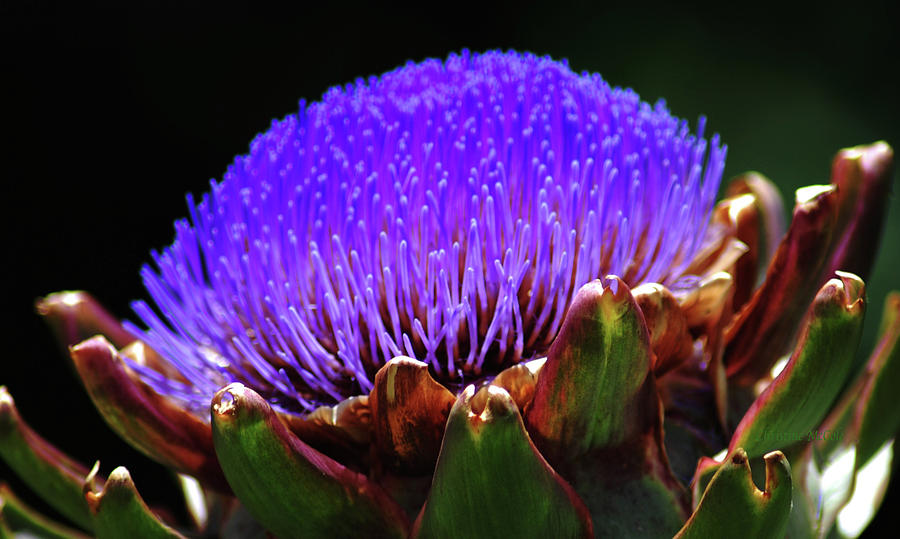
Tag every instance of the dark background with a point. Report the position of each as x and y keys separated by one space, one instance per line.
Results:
x=110 y=116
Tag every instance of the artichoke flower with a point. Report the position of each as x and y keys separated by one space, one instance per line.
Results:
x=489 y=297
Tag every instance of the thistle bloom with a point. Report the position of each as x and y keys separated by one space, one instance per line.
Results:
x=446 y=211
x=464 y=298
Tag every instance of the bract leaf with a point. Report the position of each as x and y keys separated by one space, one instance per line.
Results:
x=764 y=328
x=597 y=418
x=409 y=411
x=289 y=487
x=20 y=517
x=160 y=429
x=732 y=506
x=795 y=403
x=54 y=476
x=119 y=511
x=490 y=481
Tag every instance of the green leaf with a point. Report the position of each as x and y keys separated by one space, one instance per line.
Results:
x=409 y=410
x=732 y=506
x=856 y=428
x=863 y=176
x=706 y=470
x=769 y=205
x=596 y=368
x=764 y=328
x=55 y=477
x=490 y=481
x=119 y=511
x=670 y=339
x=152 y=424
x=794 y=404
x=878 y=413
x=596 y=416
x=5 y=531
x=289 y=487
x=75 y=316
x=20 y=517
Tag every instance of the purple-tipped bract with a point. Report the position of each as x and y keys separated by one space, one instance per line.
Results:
x=447 y=211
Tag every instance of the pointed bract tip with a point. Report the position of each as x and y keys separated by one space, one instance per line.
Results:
x=60 y=301
x=739 y=457
x=236 y=404
x=876 y=158
x=487 y=404
x=590 y=291
x=610 y=294
x=405 y=360
x=893 y=299
x=468 y=402
x=520 y=380
x=75 y=315
x=92 y=349
x=611 y=282
x=811 y=194
x=854 y=288
x=846 y=290
x=7 y=404
x=615 y=288
x=119 y=476
x=224 y=402
x=777 y=467
x=497 y=403
x=90 y=486
x=397 y=365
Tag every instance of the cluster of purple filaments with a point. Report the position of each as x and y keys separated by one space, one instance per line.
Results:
x=446 y=211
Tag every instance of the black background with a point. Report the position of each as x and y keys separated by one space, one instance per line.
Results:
x=111 y=115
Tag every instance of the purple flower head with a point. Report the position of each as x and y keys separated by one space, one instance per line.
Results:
x=447 y=211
